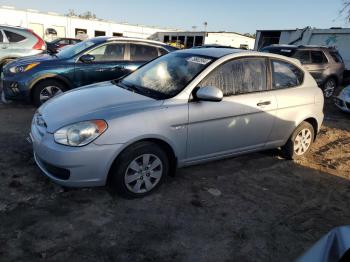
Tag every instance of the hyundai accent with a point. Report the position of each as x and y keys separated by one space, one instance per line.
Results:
x=184 y=108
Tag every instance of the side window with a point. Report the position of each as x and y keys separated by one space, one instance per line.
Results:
x=162 y=51
x=285 y=75
x=303 y=56
x=142 y=52
x=1 y=37
x=109 y=52
x=239 y=76
x=13 y=37
x=317 y=57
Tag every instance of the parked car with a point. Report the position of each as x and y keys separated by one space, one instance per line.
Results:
x=55 y=45
x=37 y=79
x=342 y=101
x=324 y=63
x=184 y=108
x=18 y=42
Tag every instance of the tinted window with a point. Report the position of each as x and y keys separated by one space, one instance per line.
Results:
x=286 y=75
x=303 y=56
x=142 y=52
x=1 y=37
x=13 y=37
x=162 y=51
x=239 y=76
x=109 y=52
x=336 y=56
x=317 y=57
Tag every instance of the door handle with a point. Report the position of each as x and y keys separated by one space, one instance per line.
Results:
x=265 y=103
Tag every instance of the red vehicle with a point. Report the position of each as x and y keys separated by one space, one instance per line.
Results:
x=55 y=45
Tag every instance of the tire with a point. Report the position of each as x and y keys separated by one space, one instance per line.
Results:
x=291 y=150
x=329 y=87
x=47 y=89
x=129 y=183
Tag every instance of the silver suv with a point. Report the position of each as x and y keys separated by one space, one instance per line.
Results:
x=17 y=42
x=184 y=108
x=325 y=64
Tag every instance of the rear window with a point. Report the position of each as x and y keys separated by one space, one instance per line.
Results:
x=13 y=37
x=286 y=75
x=336 y=56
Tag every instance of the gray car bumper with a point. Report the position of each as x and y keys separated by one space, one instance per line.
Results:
x=74 y=166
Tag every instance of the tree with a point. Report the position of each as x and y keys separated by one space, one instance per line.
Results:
x=86 y=15
x=346 y=10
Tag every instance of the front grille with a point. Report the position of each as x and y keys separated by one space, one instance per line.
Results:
x=58 y=172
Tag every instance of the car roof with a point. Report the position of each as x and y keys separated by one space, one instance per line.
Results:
x=300 y=47
x=212 y=51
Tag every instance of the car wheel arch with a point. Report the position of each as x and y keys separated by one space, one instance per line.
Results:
x=39 y=80
x=311 y=120
x=169 y=150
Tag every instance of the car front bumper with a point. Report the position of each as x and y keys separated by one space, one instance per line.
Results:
x=85 y=166
x=15 y=89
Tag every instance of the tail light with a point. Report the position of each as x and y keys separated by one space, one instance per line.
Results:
x=40 y=45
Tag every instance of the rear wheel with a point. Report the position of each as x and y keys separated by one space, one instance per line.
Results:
x=46 y=90
x=329 y=87
x=139 y=170
x=300 y=142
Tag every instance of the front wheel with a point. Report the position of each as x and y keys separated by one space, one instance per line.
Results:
x=329 y=87
x=139 y=170
x=46 y=90
x=299 y=144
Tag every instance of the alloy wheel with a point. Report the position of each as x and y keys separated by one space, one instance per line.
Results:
x=302 y=141
x=143 y=173
x=329 y=88
x=49 y=92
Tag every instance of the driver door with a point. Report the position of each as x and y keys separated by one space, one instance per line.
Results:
x=109 y=64
x=242 y=121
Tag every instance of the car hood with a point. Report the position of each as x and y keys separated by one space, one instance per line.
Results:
x=33 y=59
x=345 y=94
x=98 y=101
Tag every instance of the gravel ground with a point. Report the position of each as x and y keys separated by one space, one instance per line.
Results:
x=257 y=207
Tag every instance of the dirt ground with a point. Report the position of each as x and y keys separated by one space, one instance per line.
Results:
x=257 y=207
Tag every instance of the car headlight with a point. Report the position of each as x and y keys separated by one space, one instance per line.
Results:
x=80 y=134
x=22 y=68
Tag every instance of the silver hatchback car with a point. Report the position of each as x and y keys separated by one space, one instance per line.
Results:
x=181 y=109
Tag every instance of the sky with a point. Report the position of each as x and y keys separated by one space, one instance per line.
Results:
x=243 y=16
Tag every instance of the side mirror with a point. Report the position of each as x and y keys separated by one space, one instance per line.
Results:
x=209 y=93
x=87 y=58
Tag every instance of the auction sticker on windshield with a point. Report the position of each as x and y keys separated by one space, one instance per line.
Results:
x=198 y=60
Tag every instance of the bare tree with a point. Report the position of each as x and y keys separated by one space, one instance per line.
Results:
x=86 y=15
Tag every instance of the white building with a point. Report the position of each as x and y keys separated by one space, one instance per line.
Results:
x=334 y=37
x=44 y=24
x=189 y=39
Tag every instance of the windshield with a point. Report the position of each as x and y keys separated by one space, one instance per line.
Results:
x=75 y=49
x=166 y=76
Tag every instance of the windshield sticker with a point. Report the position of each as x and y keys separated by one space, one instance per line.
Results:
x=198 y=60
